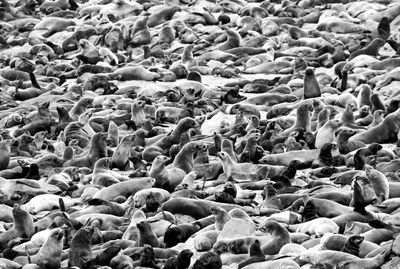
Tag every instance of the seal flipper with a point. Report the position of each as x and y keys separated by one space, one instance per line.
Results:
x=97 y=201
x=384 y=28
x=378 y=224
x=29 y=183
x=61 y=204
x=359 y=202
x=33 y=172
x=34 y=82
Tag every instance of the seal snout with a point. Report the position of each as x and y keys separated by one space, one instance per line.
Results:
x=58 y=233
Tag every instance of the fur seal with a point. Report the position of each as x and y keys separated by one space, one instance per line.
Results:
x=184 y=159
x=208 y=260
x=303 y=119
x=379 y=182
x=125 y=188
x=102 y=175
x=182 y=261
x=97 y=150
x=120 y=158
x=196 y=208
x=317 y=226
x=80 y=252
x=146 y=235
x=327 y=133
x=5 y=154
x=311 y=87
x=280 y=237
x=180 y=233
x=385 y=132
x=166 y=178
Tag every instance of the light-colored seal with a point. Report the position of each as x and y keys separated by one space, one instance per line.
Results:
x=125 y=188
x=327 y=133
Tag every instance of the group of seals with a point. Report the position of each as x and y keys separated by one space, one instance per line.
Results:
x=185 y=134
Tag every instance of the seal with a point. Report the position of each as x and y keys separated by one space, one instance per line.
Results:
x=137 y=111
x=379 y=182
x=80 y=253
x=352 y=245
x=5 y=154
x=270 y=99
x=327 y=133
x=385 y=132
x=371 y=49
x=377 y=118
x=280 y=237
x=50 y=253
x=364 y=96
x=325 y=157
x=97 y=150
x=204 y=241
x=233 y=41
x=196 y=208
x=146 y=235
x=227 y=146
x=271 y=203
x=256 y=254
x=136 y=73
x=140 y=35
x=346 y=146
x=377 y=103
x=303 y=156
x=311 y=86
x=318 y=226
x=187 y=182
x=125 y=188
x=23 y=222
x=166 y=178
x=268 y=67
x=180 y=233
x=160 y=195
x=303 y=119
x=121 y=261
x=101 y=175
x=132 y=232
x=113 y=136
x=184 y=159
x=120 y=158
x=221 y=217
x=147 y=259
x=182 y=261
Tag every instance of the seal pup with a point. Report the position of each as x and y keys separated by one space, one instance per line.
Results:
x=327 y=133
x=182 y=261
